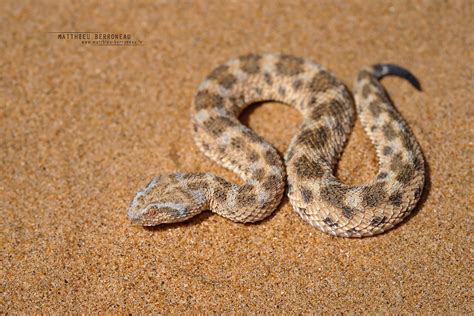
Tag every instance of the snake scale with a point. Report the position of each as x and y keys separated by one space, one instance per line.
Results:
x=328 y=112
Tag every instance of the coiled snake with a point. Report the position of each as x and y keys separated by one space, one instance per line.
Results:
x=315 y=193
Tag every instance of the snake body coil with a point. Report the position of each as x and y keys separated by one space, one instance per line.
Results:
x=316 y=194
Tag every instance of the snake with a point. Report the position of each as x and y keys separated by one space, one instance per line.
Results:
x=307 y=174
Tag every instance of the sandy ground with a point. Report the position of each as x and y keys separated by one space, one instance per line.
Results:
x=83 y=127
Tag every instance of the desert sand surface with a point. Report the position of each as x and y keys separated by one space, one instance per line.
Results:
x=83 y=128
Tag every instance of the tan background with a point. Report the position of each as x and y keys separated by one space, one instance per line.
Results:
x=83 y=128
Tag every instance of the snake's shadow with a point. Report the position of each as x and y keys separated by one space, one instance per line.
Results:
x=196 y=220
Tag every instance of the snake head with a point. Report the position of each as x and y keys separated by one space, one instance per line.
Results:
x=161 y=201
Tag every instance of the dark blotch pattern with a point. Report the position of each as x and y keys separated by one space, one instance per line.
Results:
x=307 y=168
x=322 y=82
x=392 y=114
x=321 y=110
x=297 y=84
x=218 y=73
x=364 y=75
x=389 y=132
x=282 y=91
x=205 y=100
x=395 y=199
x=290 y=65
x=396 y=163
x=221 y=74
x=246 y=196
x=252 y=156
x=307 y=195
x=272 y=158
x=237 y=143
x=268 y=78
x=258 y=174
x=406 y=174
x=334 y=194
x=373 y=195
x=375 y=108
x=330 y=222
x=387 y=150
x=217 y=125
x=339 y=130
x=271 y=182
x=228 y=81
x=347 y=212
x=220 y=192
x=334 y=109
x=314 y=138
x=378 y=220
x=250 y=63
x=365 y=91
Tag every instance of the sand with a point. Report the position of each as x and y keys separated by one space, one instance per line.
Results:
x=83 y=127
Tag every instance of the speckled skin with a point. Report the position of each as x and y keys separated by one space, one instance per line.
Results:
x=315 y=193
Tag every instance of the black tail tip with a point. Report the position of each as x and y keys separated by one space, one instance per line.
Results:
x=382 y=70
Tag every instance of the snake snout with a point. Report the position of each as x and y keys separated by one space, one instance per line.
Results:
x=138 y=207
x=159 y=202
